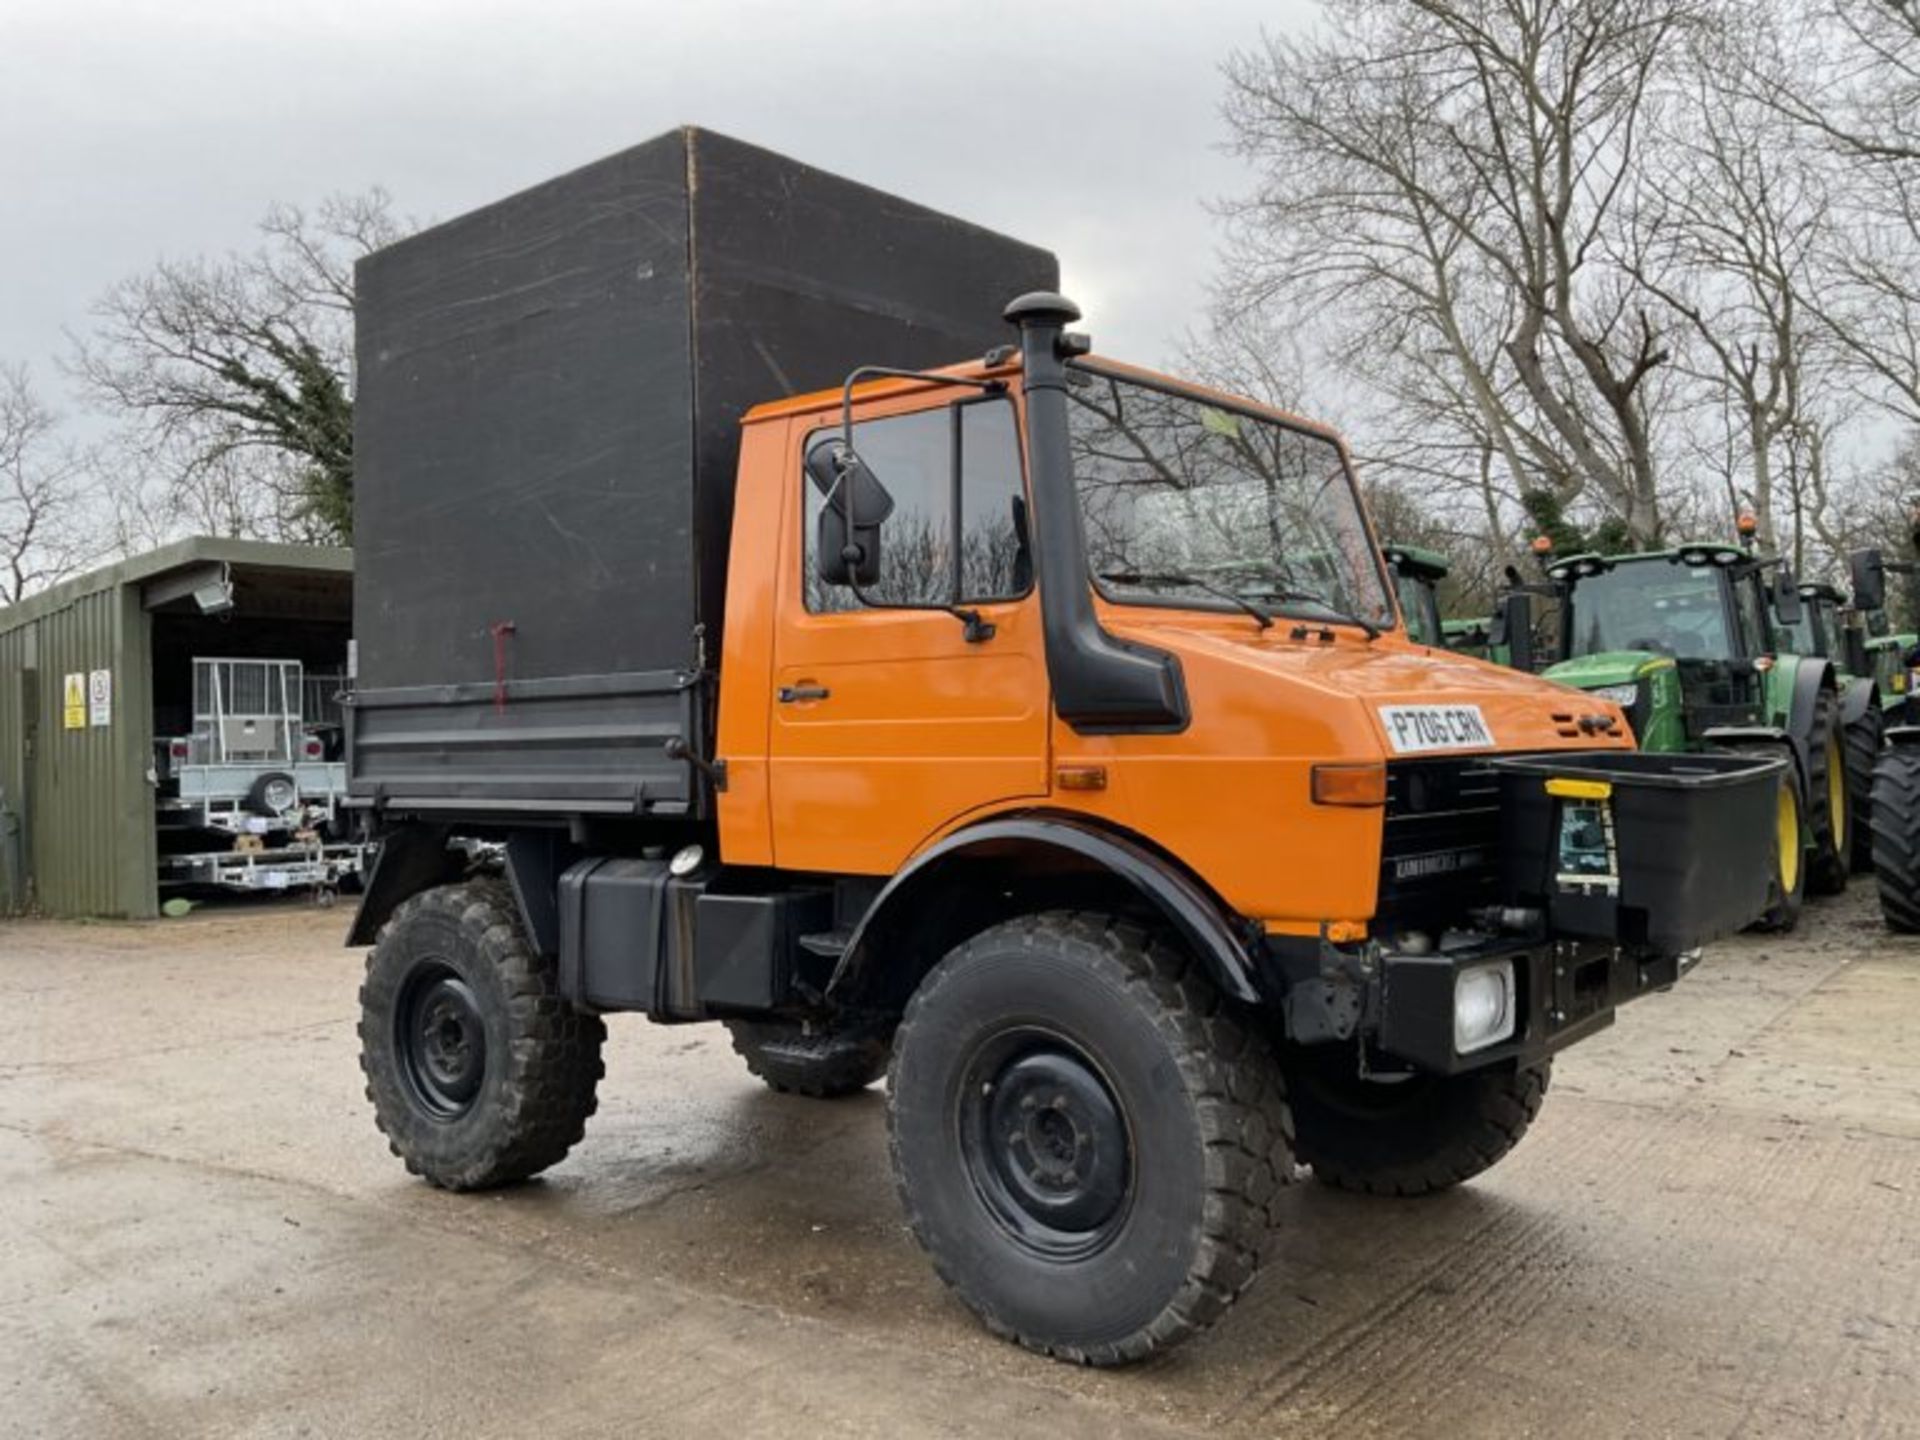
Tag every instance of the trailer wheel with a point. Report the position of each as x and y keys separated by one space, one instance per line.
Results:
x=1896 y=836
x=1409 y=1136
x=825 y=1065
x=273 y=794
x=1086 y=1140
x=480 y=1073
x=1865 y=738
x=1830 y=859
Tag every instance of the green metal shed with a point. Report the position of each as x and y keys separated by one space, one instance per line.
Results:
x=78 y=698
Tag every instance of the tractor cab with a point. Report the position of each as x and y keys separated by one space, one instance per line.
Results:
x=1821 y=628
x=1417 y=574
x=1681 y=639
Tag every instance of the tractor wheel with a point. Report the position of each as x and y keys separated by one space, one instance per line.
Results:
x=1086 y=1139
x=480 y=1073
x=1787 y=893
x=1896 y=836
x=1413 y=1135
x=1864 y=737
x=1830 y=858
x=825 y=1063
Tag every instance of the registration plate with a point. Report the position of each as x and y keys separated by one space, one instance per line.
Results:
x=1415 y=729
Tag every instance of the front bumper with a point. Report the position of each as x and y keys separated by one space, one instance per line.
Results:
x=1402 y=1006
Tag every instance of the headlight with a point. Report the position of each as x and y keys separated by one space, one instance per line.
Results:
x=1483 y=1006
x=1621 y=695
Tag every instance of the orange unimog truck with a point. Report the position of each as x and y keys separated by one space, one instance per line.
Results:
x=1035 y=731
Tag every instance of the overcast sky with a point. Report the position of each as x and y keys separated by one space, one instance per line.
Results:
x=132 y=131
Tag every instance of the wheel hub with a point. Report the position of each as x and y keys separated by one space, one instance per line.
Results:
x=1047 y=1146
x=442 y=1042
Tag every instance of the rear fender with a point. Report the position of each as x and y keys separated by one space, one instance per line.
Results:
x=1857 y=696
x=1810 y=675
x=412 y=858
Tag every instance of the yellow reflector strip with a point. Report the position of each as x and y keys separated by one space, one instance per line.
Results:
x=1568 y=789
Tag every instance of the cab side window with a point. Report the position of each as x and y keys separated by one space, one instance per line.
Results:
x=1755 y=634
x=952 y=468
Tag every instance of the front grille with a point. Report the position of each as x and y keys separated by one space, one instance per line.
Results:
x=1440 y=852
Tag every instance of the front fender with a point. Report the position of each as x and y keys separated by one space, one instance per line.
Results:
x=1222 y=941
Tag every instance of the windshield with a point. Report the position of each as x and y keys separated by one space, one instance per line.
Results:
x=1657 y=605
x=1183 y=499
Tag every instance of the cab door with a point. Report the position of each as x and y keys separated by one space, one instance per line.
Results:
x=890 y=723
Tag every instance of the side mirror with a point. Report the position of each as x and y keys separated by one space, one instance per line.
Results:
x=1868 y=571
x=847 y=542
x=1513 y=628
x=1786 y=598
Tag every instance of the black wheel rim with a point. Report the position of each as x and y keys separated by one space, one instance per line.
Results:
x=442 y=1042
x=1046 y=1143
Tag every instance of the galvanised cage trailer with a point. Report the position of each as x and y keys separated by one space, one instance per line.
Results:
x=1036 y=730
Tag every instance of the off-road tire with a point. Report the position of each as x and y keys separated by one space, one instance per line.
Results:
x=1829 y=859
x=1415 y=1136
x=826 y=1064
x=1865 y=738
x=539 y=1058
x=1783 y=906
x=1896 y=836
x=1199 y=1099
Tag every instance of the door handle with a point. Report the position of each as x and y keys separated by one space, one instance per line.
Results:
x=792 y=694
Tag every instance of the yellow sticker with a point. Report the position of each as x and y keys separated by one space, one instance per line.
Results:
x=74 y=710
x=1569 y=789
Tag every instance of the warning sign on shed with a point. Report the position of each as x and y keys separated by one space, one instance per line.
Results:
x=100 y=697
x=74 y=711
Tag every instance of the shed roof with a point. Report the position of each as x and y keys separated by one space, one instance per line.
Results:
x=180 y=555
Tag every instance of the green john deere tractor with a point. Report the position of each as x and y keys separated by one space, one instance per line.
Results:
x=1823 y=630
x=1686 y=641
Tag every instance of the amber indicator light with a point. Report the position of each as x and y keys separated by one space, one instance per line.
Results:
x=1350 y=784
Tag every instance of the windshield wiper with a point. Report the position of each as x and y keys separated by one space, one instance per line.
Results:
x=1152 y=578
x=1334 y=612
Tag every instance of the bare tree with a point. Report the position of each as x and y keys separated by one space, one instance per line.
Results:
x=246 y=361
x=1731 y=221
x=46 y=531
x=1450 y=173
x=1846 y=75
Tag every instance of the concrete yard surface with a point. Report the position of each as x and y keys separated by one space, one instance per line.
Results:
x=1714 y=1230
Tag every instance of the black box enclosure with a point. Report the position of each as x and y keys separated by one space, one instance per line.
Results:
x=1680 y=853
x=546 y=428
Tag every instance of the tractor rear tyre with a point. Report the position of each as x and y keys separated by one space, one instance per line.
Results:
x=479 y=1071
x=1896 y=836
x=1829 y=797
x=1414 y=1135
x=1865 y=738
x=1086 y=1139
x=824 y=1063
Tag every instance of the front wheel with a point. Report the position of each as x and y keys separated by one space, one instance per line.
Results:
x=1828 y=800
x=1865 y=738
x=1896 y=836
x=1085 y=1139
x=1787 y=888
x=1407 y=1135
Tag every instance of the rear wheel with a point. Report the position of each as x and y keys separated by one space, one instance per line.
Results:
x=1830 y=859
x=1086 y=1140
x=480 y=1073
x=1864 y=740
x=1412 y=1135
x=1896 y=836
